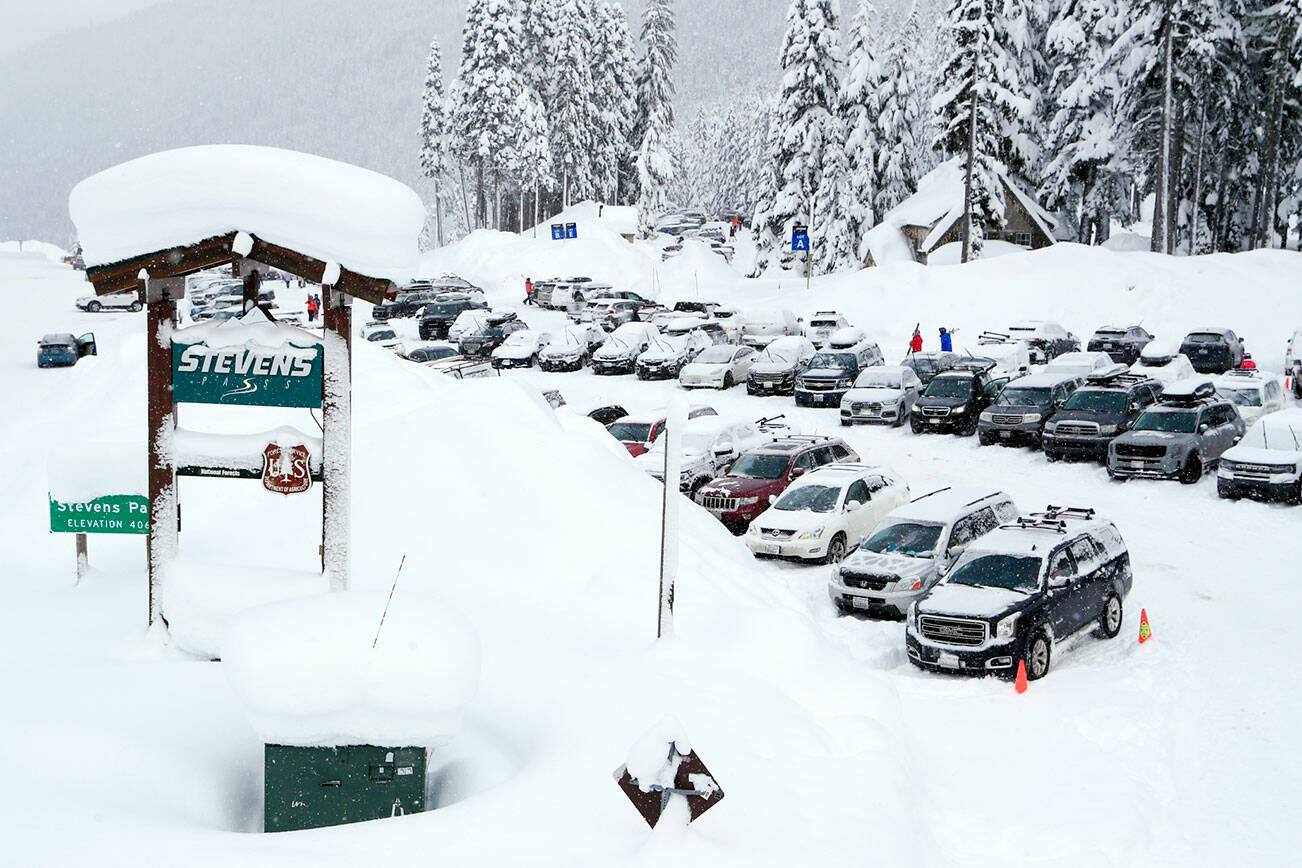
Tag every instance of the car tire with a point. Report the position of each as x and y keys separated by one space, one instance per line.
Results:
x=985 y=439
x=727 y=380
x=835 y=550
x=915 y=426
x=136 y=306
x=967 y=429
x=1039 y=654
x=899 y=420
x=1192 y=470
x=1110 y=617
x=94 y=307
x=1052 y=456
x=641 y=375
x=846 y=423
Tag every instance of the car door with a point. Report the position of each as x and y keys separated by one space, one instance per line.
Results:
x=1273 y=398
x=860 y=519
x=960 y=537
x=86 y=345
x=803 y=464
x=742 y=363
x=1059 y=599
x=884 y=496
x=1089 y=586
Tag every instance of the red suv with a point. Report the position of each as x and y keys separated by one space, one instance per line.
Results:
x=637 y=435
x=743 y=492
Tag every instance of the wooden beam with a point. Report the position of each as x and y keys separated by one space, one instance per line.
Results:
x=351 y=283
x=173 y=262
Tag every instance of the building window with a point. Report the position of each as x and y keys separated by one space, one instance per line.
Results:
x=1022 y=238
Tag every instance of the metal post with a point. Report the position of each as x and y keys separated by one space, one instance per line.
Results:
x=161 y=543
x=83 y=557
x=336 y=425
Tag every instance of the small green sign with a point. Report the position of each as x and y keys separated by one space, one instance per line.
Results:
x=113 y=513
x=283 y=376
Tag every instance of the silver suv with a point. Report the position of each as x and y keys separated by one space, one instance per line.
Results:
x=1179 y=437
x=913 y=547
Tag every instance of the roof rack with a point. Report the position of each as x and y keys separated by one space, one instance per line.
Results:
x=1053 y=518
x=993 y=338
x=1118 y=379
x=1189 y=394
x=1078 y=512
x=930 y=493
x=1245 y=373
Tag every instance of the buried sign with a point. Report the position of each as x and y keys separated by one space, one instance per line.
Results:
x=285 y=470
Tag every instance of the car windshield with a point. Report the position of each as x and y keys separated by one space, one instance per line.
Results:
x=915 y=539
x=569 y=337
x=843 y=361
x=1013 y=572
x=812 y=498
x=949 y=387
x=520 y=339
x=716 y=355
x=759 y=466
x=1096 y=401
x=1176 y=423
x=823 y=324
x=630 y=432
x=876 y=380
x=430 y=354
x=1241 y=397
x=1023 y=396
x=381 y=335
x=447 y=309
x=660 y=345
x=778 y=356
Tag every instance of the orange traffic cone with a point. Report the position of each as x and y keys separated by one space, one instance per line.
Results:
x=1145 y=632
x=1020 y=683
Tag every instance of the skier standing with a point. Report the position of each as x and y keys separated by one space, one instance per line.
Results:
x=915 y=344
x=946 y=340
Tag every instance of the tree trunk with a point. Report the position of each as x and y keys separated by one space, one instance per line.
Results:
x=1269 y=180
x=1198 y=178
x=481 y=200
x=1161 y=176
x=438 y=214
x=967 y=181
x=1174 y=185
x=465 y=202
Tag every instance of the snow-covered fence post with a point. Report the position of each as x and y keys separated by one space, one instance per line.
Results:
x=673 y=440
x=336 y=424
x=160 y=305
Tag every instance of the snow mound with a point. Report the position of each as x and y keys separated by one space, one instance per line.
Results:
x=308 y=674
x=92 y=470
x=52 y=252
x=329 y=210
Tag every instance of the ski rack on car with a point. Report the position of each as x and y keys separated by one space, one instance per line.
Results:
x=1078 y=512
x=1204 y=391
x=993 y=338
x=1114 y=377
x=1053 y=518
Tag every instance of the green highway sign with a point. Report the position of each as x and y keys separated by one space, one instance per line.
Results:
x=113 y=513
x=284 y=376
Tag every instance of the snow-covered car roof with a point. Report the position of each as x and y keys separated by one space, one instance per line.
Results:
x=1036 y=540
x=1082 y=358
x=843 y=474
x=941 y=506
x=1045 y=379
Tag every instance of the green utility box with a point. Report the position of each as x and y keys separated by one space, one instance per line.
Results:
x=308 y=787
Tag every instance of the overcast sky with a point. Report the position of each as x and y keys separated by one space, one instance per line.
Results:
x=26 y=22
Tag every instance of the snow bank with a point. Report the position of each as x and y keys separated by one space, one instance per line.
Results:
x=240 y=451
x=329 y=210
x=52 y=252
x=254 y=328
x=648 y=759
x=97 y=469
x=308 y=675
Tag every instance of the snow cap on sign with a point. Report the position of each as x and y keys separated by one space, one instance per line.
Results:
x=308 y=675
x=332 y=211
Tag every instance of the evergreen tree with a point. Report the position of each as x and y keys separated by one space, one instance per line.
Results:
x=979 y=111
x=806 y=136
x=572 y=104
x=898 y=120
x=655 y=110
x=433 y=137
x=613 y=78
x=1276 y=35
x=861 y=113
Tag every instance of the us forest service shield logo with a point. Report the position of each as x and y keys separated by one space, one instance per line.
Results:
x=285 y=470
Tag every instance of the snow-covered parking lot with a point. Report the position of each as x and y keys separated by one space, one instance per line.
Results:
x=826 y=740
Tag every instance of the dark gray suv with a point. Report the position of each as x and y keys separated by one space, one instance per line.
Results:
x=1107 y=405
x=1024 y=406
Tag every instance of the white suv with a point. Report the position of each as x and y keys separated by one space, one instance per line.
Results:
x=826 y=513
x=1267 y=462
x=760 y=327
x=822 y=325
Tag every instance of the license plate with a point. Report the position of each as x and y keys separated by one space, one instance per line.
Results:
x=864 y=602
x=1203 y=352
x=933 y=421
x=767 y=385
x=949 y=661
x=1005 y=434
x=772 y=549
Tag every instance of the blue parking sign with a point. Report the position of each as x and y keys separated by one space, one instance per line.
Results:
x=571 y=230
x=799 y=237
x=558 y=232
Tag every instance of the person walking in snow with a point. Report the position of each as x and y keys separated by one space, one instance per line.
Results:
x=528 y=291
x=311 y=308
x=946 y=340
x=915 y=344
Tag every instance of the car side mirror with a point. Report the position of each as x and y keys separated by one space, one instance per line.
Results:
x=1203 y=428
x=773 y=498
x=1056 y=582
x=798 y=471
x=853 y=506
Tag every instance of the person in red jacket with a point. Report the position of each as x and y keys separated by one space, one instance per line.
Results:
x=915 y=345
x=528 y=291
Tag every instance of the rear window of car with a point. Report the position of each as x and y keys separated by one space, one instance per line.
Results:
x=1205 y=338
x=1109 y=333
x=630 y=432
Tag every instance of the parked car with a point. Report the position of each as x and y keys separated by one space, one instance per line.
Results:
x=730 y=319
x=928 y=365
x=384 y=335
x=618 y=355
x=1179 y=437
x=881 y=394
x=468 y=322
x=778 y=365
x=572 y=348
x=573 y=296
x=436 y=318
x=459 y=367
x=638 y=433
x=1025 y=405
x=760 y=327
x=1213 y=350
x=1293 y=362
x=1002 y=358
x=826 y=513
x=403 y=305
x=719 y=367
x=845 y=338
x=62 y=349
x=432 y=352
x=129 y=300
x=1080 y=364
x=704 y=308
x=822 y=324
x=1019 y=591
x=746 y=487
x=1045 y=340
x=521 y=349
x=1267 y=462
x=709 y=443
x=1107 y=405
x=709 y=328
x=1122 y=343
x=611 y=315
x=913 y=547
x=832 y=373
x=1163 y=361
x=1251 y=393
x=954 y=401
x=495 y=329
x=667 y=355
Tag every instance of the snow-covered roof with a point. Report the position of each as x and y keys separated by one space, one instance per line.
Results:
x=332 y=211
x=620 y=218
x=941 y=506
x=254 y=327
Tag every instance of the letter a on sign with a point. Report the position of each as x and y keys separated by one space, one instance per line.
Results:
x=286 y=471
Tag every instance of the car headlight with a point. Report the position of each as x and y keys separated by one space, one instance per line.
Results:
x=911 y=617
x=844 y=384
x=916 y=409
x=1004 y=629
x=1050 y=427
x=959 y=410
x=747 y=501
x=1107 y=429
x=1032 y=417
x=987 y=416
x=816 y=533
x=753 y=530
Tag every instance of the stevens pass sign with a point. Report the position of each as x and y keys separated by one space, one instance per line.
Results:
x=284 y=376
x=114 y=513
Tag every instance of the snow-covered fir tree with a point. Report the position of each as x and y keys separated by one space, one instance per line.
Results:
x=614 y=98
x=861 y=113
x=979 y=111
x=655 y=110
x=898 y=117
x=806 y=139
x=571 y=104
x=433 y=137
x=1276 y=38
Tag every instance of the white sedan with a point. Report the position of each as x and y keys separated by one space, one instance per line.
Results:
x=826 y=513
x=719 y=367
x=521 y=349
